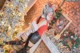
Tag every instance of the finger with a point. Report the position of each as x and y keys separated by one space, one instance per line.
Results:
x=24 y=37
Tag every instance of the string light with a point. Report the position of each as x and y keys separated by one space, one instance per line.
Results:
x=11 y=22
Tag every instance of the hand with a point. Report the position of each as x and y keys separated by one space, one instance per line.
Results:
x=23 y=37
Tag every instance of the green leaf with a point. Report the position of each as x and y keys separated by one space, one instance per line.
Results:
x=58 y=14
x=6 y=51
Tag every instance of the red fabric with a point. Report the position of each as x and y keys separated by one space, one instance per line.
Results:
x=43 y=28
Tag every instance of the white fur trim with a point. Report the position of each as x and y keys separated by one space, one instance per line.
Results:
x=34 y=26
x=43 y=16
x=48 y=18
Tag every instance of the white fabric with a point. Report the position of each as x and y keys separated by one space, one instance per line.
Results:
x=48 y=18
x=43 y=16
x=28 y=32
x=34 y=26
x=32 y=29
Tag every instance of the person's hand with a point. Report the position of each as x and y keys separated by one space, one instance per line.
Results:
x=23 y=37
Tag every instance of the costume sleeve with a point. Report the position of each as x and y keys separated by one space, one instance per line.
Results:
x=34 y=26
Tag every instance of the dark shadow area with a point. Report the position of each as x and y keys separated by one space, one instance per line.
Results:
x=2 y=3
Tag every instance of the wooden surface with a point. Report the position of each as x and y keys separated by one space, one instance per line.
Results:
x=42 y=48
x=30 y=4
x=2 y=3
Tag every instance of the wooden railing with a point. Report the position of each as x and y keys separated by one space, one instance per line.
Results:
x=2 y=3
x=72 y=0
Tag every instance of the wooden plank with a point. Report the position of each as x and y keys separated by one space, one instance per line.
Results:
x=30 y=4
x=51 y=46
x=66 y=16
x=34 y=47
x=73 y=0
x=2 y=3
x=70 y=21
x=42 y=48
